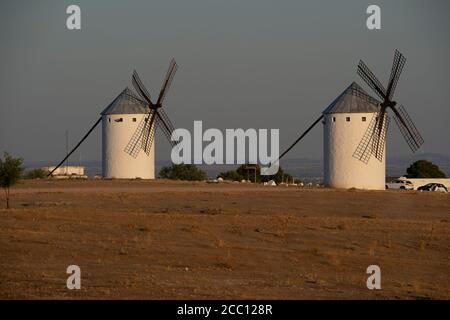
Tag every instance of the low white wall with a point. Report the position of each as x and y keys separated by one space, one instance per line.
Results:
x=66 y=170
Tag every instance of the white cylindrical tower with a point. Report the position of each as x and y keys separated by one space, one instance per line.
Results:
x=345 y=122
x=120 y=120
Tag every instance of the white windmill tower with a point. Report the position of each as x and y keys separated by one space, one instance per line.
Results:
x=128 y=126
x=355 y=128
x=119 y=121
x=345 y=122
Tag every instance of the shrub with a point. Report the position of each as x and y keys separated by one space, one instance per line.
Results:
x=35 y=174
x=248 y=172
x=182 y=172
x=424 y=169
x=10 y=172
x=231 y=175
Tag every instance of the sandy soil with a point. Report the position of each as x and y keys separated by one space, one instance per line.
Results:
x=176 y=240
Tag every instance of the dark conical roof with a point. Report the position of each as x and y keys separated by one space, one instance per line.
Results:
x=126 y=103
x=353 y=100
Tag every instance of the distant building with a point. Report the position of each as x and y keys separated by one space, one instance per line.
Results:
x=65 y=172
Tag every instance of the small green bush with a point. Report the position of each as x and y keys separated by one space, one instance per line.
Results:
x=182 y=172
x=35 y=174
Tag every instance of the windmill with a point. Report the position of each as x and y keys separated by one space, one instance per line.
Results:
x=132 y=115
x=350 y=139
x=373 y=141
x=143 y=136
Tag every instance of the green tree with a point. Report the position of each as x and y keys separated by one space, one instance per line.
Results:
x=246 y=171
x=182 y=172
x=35 y=174
x=10 y=172
x=424 y=169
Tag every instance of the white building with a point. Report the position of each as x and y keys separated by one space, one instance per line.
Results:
x=344 y=125
x=66 y=172
x=119 y=121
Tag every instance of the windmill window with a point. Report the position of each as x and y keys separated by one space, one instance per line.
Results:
x=109 y=119
x=134 y=119
x=119 y=120
x=347 y=119
x=334 y=119
x=363 y=119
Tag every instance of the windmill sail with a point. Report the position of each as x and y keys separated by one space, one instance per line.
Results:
x=364 y=149
x=173 y=67
x=143 y=136
x=397 y=68
x=149 y=133
x=379 y=135
x=133 y=147
x=140 y=88
x=377 y=139
x=408 y=129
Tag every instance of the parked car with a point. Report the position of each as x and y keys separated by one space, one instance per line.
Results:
x=433 y=187
x=400 y=184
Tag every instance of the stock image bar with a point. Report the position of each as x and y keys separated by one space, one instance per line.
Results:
x=224 y=159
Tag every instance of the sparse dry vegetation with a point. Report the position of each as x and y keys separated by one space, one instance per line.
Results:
x=184 y=240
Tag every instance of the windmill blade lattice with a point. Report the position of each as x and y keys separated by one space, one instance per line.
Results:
x=408 y=129
x=373 y=142
x=167 y=128
x=372 y=81
x=364 y=149
x=397 y=68
x=173 y=67
x=379 y=138
x=133 y=146
x=149 y=133
x=144 y=134
x=140 y=88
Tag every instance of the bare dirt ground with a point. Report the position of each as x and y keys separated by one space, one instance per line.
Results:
x=178 y=240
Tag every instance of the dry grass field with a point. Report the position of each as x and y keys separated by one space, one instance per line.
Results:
x=179 y=240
